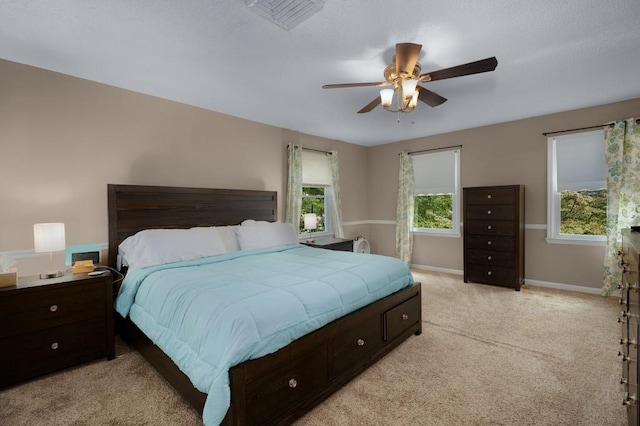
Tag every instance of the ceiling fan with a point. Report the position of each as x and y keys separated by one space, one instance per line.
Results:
x=403 y=75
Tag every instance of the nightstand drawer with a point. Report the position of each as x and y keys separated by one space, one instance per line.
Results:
x=32 y=354
x=22 y=312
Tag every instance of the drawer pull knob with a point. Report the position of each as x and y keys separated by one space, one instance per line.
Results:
x=629 y=399
x=405 y=317
x=625 y=358
x=621 y=320
x=489 y=242
x=488 y=257
x=53 y=308
x=489 y=212
x=628 y=342
x=54 y=345
x=489 y=227
x=623 y=381
x=489 y=273
x=360 y=342
x=489 y=196
x=293 y=383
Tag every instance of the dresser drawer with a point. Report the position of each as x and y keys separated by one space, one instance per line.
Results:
x=495 y=258
x=32 y=354
x=275 y=392
x=491 y=212
x=490 y=274
x=490 y=243
x=355 y=345
x=22 y=312
x=490 y=227
x=490 y=196
x=401 y=317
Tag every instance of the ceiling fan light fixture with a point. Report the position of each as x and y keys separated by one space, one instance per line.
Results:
x=386 y=97
x=409 y=88
x=414 y=100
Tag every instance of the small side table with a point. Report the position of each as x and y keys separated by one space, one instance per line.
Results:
x=331 y=243
x=50 y=324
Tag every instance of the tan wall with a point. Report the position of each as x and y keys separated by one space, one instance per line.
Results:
x=502 y=154
x=63 y=139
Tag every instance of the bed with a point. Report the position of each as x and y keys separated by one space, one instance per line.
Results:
x=275 y=387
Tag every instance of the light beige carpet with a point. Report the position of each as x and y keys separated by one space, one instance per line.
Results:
x=487 y=356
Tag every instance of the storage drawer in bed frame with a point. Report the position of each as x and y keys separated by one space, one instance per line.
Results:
x=283 y=386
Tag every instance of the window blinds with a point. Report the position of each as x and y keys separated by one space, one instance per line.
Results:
x=435 y=172
x=316 y=170
x=580 y=162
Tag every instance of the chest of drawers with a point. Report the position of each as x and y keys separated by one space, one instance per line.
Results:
x=51 y=324
x=494 y=235
x=628 y=352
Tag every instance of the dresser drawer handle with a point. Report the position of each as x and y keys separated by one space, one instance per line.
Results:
x=293 y=383
x=360 y=342
x=489 y=227
x=489 y=273
x=489 y=212
x=489 y=242
x=55 y=346
x=53 y=308
x=488 y=257
x=489 y=196
x=405 y=317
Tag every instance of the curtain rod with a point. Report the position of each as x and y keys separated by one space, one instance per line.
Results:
x=313 y=149
x=582 y=128
x=445 y=148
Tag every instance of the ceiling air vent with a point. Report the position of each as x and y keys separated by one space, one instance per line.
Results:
x=285 y=13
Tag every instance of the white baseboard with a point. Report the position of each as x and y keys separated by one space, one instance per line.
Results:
x=535 y=283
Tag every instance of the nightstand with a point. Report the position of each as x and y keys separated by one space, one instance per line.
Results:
x=331 y=243
x=50 y=324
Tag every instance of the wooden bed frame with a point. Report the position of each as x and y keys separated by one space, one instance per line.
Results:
x=281 y=387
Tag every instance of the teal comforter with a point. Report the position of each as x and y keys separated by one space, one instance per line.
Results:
x=213 y=313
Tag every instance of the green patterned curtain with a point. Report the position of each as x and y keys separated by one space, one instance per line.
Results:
x=293 y=207
x=404 y=210
x=336 y=204
x=622 y=144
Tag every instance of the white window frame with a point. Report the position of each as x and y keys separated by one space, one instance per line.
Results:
x=455 y=205
x=553 y=203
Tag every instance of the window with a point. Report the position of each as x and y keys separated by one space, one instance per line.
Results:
x=577 y=194
x=437 y=192
x=316 y=187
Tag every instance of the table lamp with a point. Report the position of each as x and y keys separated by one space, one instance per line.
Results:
x=310 y=223
x=49 y=237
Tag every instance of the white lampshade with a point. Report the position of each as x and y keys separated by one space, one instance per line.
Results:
x=386 y=97
x=414 y=100
x=310 y=221
x=48 y=237
x=409 y=88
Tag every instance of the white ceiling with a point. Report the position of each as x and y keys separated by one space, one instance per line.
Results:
x=552 y=56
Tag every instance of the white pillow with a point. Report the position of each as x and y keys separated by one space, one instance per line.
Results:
x=159 y=246
x=262 y=235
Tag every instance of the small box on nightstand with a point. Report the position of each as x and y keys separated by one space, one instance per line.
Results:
x=9 y=278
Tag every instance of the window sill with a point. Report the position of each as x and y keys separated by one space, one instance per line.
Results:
x=435 y=233
x=577 y=242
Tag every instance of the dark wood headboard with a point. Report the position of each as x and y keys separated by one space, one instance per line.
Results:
x=133 y=208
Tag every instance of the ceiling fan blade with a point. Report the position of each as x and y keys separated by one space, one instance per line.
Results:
x=406 y=58
x=339 y=86
x=371 y=105
x=476 y=67
x=430 y=98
